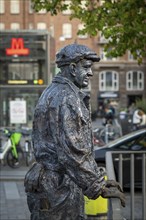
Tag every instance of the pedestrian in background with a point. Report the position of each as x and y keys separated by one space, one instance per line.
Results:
x=137 y=118
x=143 y=120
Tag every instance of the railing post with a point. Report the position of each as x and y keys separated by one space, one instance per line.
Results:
x=132 y=185
x=121 y=169
x=144 y=186
x=106 y=133
x=114 y=212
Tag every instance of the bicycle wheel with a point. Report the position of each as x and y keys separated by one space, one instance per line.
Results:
x=29 y=154
x=107 y=133
x=12 y=161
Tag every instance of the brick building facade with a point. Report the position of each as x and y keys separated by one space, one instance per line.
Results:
x=121 y=80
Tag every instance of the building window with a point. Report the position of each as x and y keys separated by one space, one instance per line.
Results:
x=30 y=26
x=52 y=31
x=67 y=11
x=135 y=80
x=67 y=30
x=104 y=57
x=42 y=11
x=15 y=26
x=2 y=7
x=30 y=7
x=15 y=6
x=130 y=56
x=2 y=26
x=108 y=81
x=81 y=27
x=102 y=39
x=41 y=26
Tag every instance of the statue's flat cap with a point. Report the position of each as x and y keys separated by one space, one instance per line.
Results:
x=75 y=53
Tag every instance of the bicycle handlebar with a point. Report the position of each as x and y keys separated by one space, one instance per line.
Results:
x=23 y=131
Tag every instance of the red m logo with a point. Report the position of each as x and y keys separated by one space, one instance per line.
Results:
x=17 y=47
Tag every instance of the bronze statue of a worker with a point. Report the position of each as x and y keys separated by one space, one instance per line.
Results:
x=65 y=168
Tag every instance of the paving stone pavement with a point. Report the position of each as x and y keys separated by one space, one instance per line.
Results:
x=13 y=203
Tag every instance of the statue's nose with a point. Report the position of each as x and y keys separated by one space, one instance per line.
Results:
x=90 y=73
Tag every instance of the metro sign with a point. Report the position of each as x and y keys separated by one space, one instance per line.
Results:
x=17 y=47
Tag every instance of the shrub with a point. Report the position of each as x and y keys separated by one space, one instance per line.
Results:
x=141 y=103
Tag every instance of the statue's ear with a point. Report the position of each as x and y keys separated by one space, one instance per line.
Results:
x=72 y=67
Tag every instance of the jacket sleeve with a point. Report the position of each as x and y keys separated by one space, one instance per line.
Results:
x=75 y=150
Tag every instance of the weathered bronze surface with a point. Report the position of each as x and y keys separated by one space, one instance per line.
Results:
x=65 y=168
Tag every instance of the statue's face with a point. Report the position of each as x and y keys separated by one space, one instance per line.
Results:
x=83 y=73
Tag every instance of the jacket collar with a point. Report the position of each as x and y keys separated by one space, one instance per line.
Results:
x=64 y=80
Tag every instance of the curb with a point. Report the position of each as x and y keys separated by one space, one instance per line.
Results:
x=12 y=175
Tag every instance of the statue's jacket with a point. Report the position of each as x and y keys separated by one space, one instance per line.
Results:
x=62 y=141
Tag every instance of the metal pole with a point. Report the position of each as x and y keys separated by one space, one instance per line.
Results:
x=121 y=169
x=106 y=134
x=132 y=185
x=143 y=186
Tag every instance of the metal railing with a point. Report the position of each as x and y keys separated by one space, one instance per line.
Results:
x=115 y=211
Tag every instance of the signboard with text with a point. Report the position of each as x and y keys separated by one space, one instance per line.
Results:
x=18 y=112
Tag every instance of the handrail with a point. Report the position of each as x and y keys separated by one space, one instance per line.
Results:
x=114 y=212
x=114 y=205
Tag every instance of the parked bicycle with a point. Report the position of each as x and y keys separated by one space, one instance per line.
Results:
x=16 y=147
x=108 y=132
x=10 y=150
x=28 y=149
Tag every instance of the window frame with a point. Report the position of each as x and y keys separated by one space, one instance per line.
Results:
x=15 y=7
x=2 y=6
x=67 y=11
x=16 y=26
x=103 y=81
x=81 y=36
x=104 y=57
x=2 y=26
x=129 y=80
x=65 y=33
x=39 y=24
x=31 y=11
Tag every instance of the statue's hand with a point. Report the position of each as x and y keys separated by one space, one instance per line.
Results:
x=113 y=192
x=32 y=177
x=113 y=183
